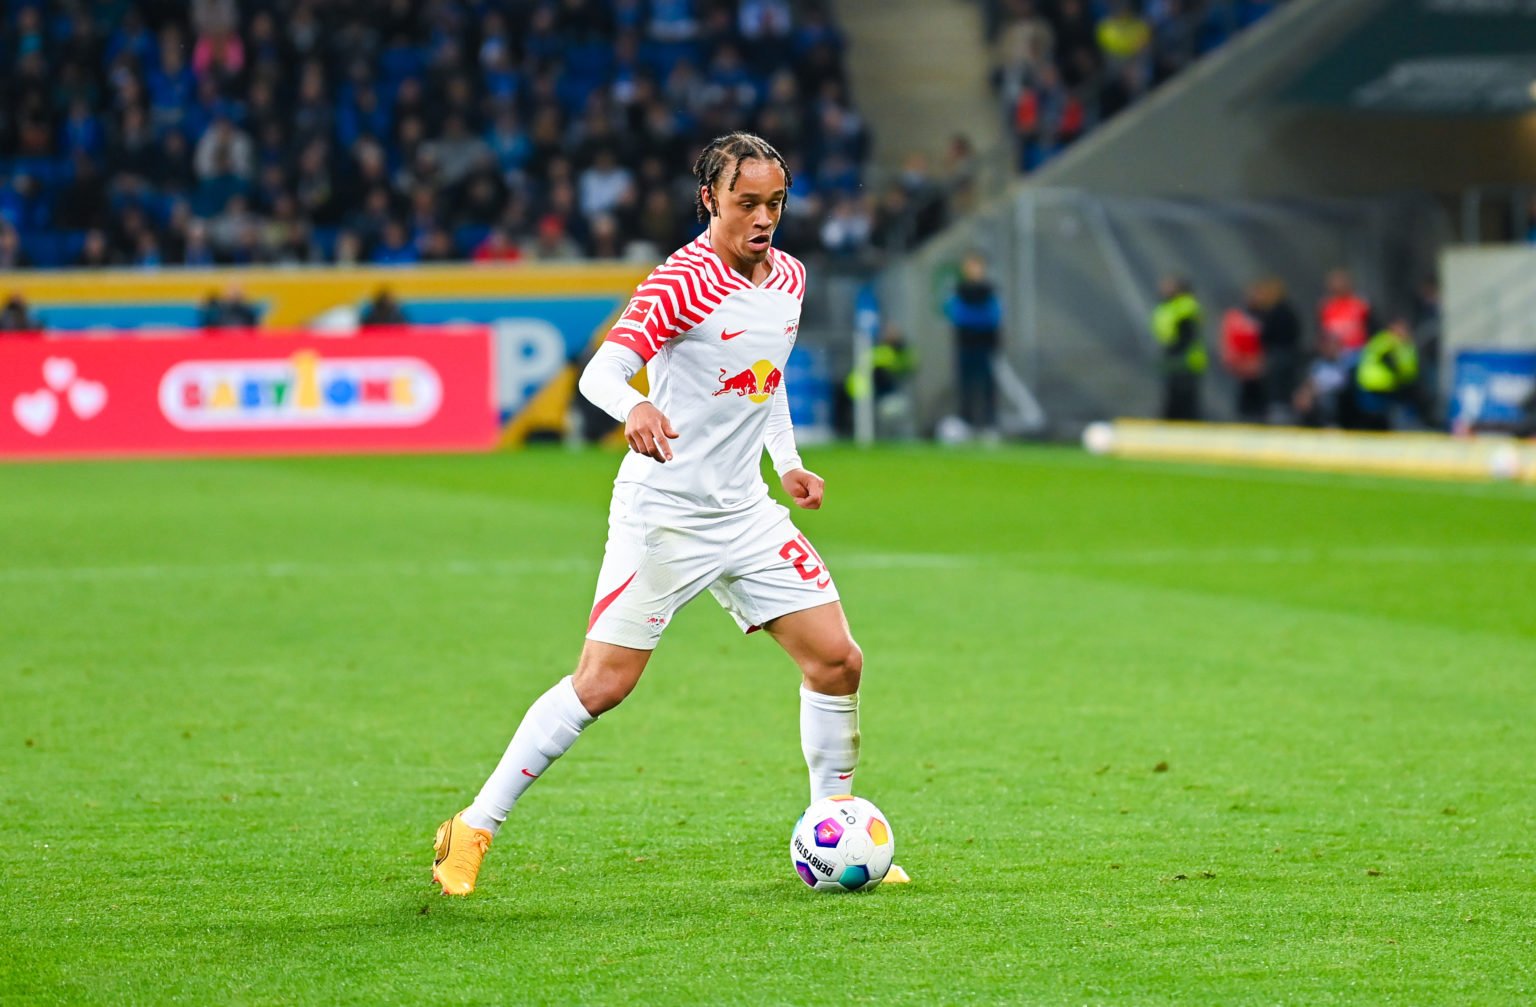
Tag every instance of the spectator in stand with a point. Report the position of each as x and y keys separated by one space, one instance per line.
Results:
x=604 y=185
x=1077 y=41
x=977 y=316
x=553 y=243
x=1123 y=85
x=769 y=22
x=394 y=247
x=1025 y=42
x=508 y=143
x=1103 y=65
x=458 y=151
x=12 y=255
x=131 y=147
x=16 y=318
x=19 y=204
x=925 y=195
x=1280 y=337
x=232 y=232
x=349 y=248
x=123 y=238
x=1123 y=34
x=171 y=85
x=847 y=229
x=1345 y=313
x=285 y=235
x=95 y=251
x=213 y=99
x=1242 y=354
x=173 y=174
x=1175 y=37
x=659 y=223
x=197 y=251
x=383 y=310
x=603 y=239
x=960 y=169
x=435 y=245
x=222 y=184
x=893 y=224
x=497 y=247
x=1048 y=118
x=146 y=252
x=82 y=130
x=219 y=52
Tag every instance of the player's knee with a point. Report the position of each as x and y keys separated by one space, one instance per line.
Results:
x=601 y=687
x=600 y=693
x=838 y=671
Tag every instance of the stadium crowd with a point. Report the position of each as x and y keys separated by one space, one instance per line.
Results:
x=151 y=132
x=1061 y=67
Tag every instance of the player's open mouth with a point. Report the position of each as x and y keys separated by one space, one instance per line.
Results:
x=759 y=242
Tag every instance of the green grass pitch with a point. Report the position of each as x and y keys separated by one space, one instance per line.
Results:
x=1147 y=735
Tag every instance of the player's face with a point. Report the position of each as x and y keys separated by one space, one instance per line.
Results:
x=748 y=214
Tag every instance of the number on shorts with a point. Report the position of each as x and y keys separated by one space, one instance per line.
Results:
x=808 y=563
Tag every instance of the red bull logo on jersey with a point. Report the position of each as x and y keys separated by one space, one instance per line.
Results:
x=305 y=390
x=757 y=383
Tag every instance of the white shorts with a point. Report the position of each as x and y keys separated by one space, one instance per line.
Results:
x=659 y=557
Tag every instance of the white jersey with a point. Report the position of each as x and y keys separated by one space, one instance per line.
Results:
x=715 y=347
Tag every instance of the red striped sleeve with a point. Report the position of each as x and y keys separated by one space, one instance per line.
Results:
x=678 y=295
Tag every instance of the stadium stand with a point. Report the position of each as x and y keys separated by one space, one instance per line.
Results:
x=1062 y=67
x=278 y=131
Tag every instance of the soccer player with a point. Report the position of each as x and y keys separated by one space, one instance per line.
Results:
x=713 y=326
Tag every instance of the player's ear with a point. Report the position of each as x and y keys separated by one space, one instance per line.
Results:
x=708 y=198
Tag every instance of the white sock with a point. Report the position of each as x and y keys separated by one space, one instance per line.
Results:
x=549 y=728
x=829 y=737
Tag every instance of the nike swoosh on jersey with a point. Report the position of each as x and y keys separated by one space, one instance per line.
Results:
x=731 y=335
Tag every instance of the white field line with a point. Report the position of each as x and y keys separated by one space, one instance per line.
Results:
x=587 y=565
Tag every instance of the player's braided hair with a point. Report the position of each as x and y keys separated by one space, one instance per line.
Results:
x=722 y=150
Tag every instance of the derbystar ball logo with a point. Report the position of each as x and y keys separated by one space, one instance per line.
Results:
x=304 y=391
x=757 y=383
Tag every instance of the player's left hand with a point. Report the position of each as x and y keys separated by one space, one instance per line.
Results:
x=805 y=488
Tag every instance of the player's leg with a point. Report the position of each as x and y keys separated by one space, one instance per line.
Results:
x=639 y=588
x=775 y=580
x=818 y=640
x=605 y=674
x=831 y=666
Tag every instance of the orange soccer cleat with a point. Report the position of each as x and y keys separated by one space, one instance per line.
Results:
x=460 y=847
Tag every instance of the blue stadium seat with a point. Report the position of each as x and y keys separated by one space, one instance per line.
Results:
x=52 y=249
x=399 y=62
x=468 y=237
x=324 y=239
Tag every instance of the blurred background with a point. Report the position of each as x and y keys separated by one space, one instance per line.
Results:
x=278 y=225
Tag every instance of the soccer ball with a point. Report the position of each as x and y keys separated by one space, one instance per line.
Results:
x=842 y=844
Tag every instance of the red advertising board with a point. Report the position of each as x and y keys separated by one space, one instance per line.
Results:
x=411 y=389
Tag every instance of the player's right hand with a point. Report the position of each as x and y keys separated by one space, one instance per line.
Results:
x=648 y=432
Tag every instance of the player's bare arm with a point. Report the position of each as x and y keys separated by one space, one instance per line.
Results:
x=648 y=432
